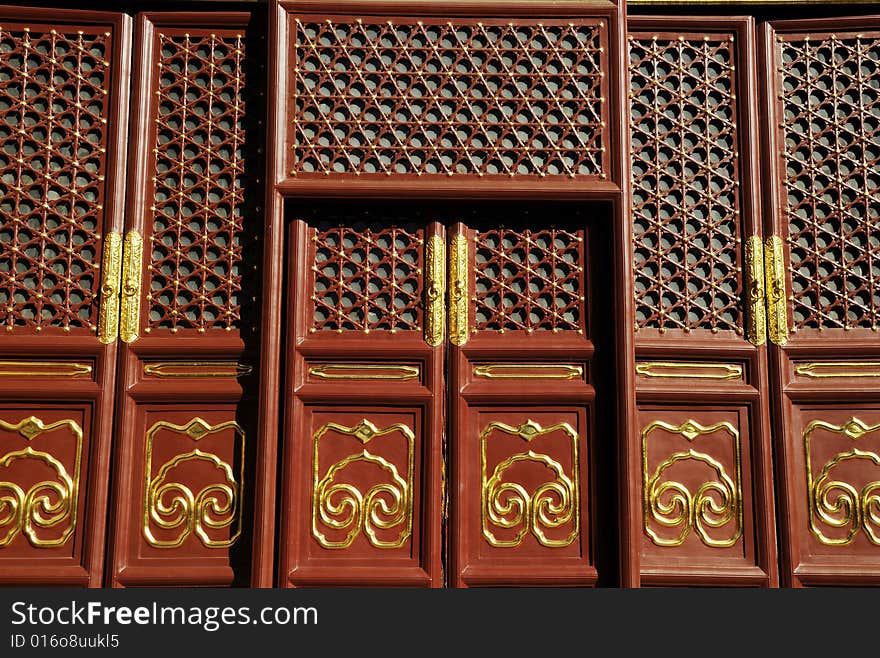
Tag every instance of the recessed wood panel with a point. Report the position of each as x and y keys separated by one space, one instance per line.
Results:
x=697 y=494
x=523 y=496
x=44 y=478
x=359 y=503
x=836 y=486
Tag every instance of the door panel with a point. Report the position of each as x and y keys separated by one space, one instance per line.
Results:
x=362 y=447
x=188 y=375
x=64 y=83
x=699 y=317
x=527 y=436
x=821 y=81
x=698 y=494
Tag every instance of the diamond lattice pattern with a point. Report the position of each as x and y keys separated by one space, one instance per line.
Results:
x=196 y=264
x=686 y=218
x=54 y=104
x=829 y=91
x=368 y=273
x=529 y=279
x=437 y=98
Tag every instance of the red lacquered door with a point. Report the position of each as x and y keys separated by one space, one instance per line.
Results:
x=63 y=94
x=823 y=265
x=699 y=473
x=531 y=416
x=186 y=443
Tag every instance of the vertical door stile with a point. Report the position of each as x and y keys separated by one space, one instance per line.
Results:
x=706 y=497
x=820 y=79
x=183 y=497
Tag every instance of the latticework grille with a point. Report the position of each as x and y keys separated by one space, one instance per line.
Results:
x=829 y=89
x=685 y=214
x=199 y=182
x=437 y=98
x=54 y=105
x=529 y=280
x=367 y=272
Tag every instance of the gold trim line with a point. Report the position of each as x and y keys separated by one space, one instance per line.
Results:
x=202 y=369
x=364 y=371
x=108 y=312
x=31 y=369
x=845 y=368
x=132 y=261
x=756 y=327
x=522 y=371
x=435 y=290
x=774 y=269
x=679 y=370
x=458 y=289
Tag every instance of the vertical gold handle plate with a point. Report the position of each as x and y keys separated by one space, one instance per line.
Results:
x=435 y=291
x=458 y=290
x=756 y=322
x=108 y=312
x=774 y=267
x=131 y=287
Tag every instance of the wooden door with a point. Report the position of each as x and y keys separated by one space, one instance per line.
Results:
x=63 y=96
x=402 y=133
x=699 y=472
x=530 y=380
x=364 y=398
x=186 y=447
x=821 y=79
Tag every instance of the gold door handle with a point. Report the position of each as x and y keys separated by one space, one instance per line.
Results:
x=131 y=287
x=435 y=290
x=458 y=290
x=108 y=313
x=776 y=294
x=756 y=322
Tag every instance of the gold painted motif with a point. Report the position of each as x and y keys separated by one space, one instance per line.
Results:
x=689 y=370
x=838 y=369
x=835 y=503
x=169 y=505
x=48 y=503
x=670 y=504
x=111 y=271
x=341 y=506
x=458 y=290
x=355 y=371
x=774 y=269
x=44 y=369
x=756 y=329
x=197 y=369
x=435 y=290
x=529 y=371
x=553 y=504
x=132 y=264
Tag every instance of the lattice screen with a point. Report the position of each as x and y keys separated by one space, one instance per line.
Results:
x=830 y=110
x=382 y=97
x=368 y=269
x=54 y=106
x=529 y=279
x=685 y=175
x=200 y=182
